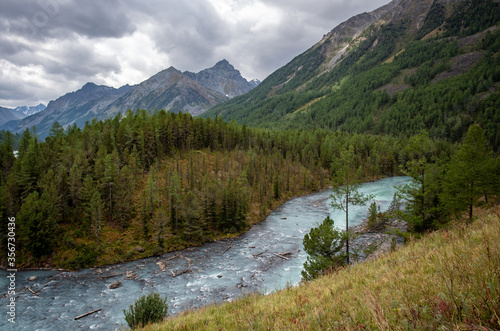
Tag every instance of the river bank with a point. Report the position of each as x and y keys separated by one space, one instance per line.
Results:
x=383 y=240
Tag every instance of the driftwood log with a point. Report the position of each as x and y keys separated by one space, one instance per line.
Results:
x=29 y=289
x=283 y=255
x=111 y=276
x=256 y=255
x=175 y=274
x=89 y=313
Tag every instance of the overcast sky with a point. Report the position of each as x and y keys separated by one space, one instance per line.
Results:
x=51 y=47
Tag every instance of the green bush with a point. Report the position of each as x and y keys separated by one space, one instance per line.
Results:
x=147 y=309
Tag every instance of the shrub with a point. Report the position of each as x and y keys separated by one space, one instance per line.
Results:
x=147 y=309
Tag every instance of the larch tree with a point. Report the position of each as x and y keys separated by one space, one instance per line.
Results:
x=347 y=192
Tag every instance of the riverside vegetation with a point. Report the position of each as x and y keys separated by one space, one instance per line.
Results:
x=146 y=184
x=460 y=276
x=449 y=278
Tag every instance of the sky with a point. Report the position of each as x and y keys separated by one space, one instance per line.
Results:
x=51 y=47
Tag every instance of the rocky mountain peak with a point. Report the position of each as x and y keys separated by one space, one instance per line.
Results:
x=222 y=78
x=224 y=65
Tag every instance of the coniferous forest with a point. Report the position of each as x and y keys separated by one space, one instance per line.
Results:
x=149 y=182
x=144 y=184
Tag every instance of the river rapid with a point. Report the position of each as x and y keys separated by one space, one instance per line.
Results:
x=219 y=271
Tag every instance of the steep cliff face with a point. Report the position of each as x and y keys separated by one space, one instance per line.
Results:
x=335 y=43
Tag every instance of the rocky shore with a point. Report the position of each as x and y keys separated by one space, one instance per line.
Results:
x=384 y=238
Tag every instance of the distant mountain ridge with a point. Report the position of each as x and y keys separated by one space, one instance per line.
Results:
x=169 y=89
x=223 y=78
x=15 y=114
x=28 y=111
x=7 y=115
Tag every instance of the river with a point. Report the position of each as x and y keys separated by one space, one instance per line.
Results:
x=220 y=271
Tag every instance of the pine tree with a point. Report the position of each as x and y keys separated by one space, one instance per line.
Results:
x=37 y=224
x=160 y=219
x=324 y=245
x=124 y=193
x=95 y=210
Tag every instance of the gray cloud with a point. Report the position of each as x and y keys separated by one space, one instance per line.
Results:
x=42 y=19
x=51 y=47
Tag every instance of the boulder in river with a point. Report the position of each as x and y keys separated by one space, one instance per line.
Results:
x=130 y=275
x=32 y=278
x=115 y=285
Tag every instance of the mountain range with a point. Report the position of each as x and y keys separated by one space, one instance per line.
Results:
x=13 y=114
x=405 y=67
x=169 y=89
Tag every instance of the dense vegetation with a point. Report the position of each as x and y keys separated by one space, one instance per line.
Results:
x=389 y=85
x=143 y=184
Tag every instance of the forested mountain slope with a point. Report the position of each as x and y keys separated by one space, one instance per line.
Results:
x=431 y=65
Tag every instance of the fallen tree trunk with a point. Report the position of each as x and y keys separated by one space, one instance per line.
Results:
x=255 y=255
x=89 y=313
x=29 y=289
x=111 y=276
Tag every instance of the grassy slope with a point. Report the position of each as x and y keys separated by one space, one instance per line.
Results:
x=449 y=279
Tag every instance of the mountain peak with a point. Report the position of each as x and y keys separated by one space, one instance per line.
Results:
x=89 y=85
x=223 y=64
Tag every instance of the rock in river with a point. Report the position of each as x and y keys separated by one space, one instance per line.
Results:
x=114 y=285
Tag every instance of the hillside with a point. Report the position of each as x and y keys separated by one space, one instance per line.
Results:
x=448 y=279
x=407 y=66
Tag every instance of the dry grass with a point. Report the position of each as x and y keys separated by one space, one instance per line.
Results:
x=449 y=280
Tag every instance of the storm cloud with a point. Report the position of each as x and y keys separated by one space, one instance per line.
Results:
x=51 y=47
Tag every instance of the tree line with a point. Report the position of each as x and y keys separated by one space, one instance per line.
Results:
x=145 y=183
